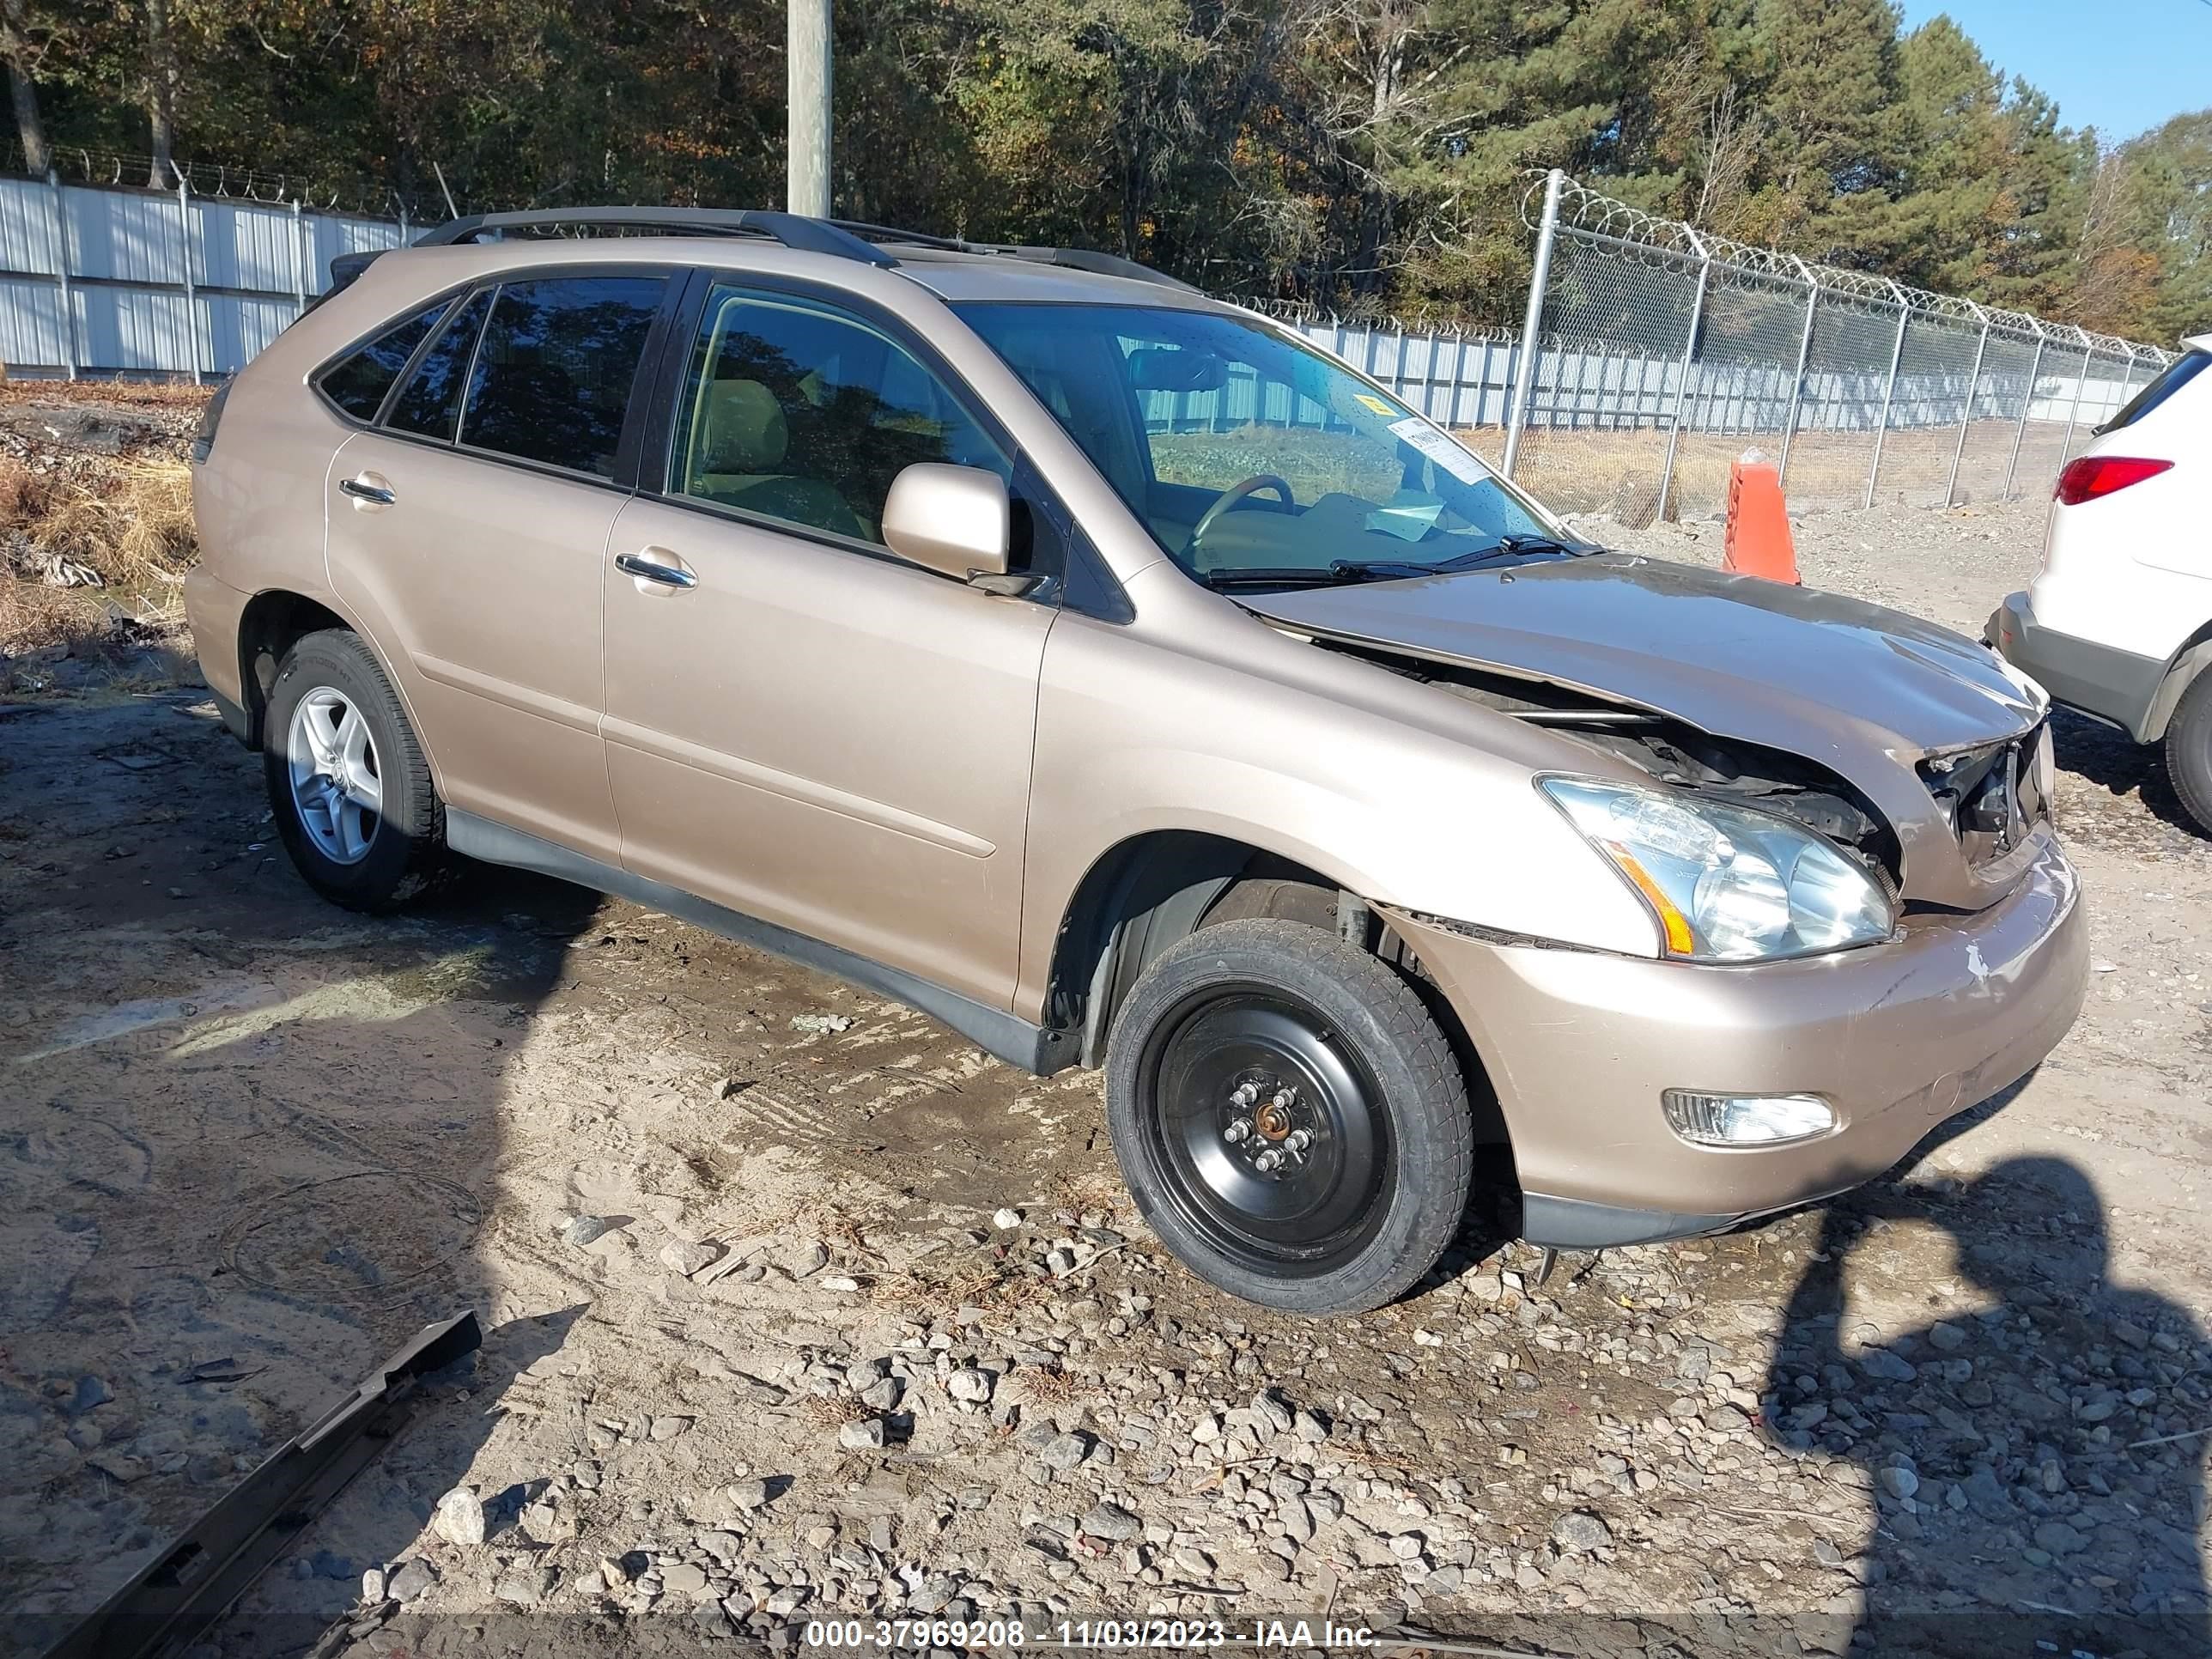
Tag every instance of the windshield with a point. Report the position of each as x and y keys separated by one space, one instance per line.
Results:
x=1248 y=453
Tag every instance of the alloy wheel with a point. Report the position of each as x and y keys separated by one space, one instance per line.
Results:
x=337 y=786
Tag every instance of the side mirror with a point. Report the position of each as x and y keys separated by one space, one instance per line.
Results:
x=955 y=519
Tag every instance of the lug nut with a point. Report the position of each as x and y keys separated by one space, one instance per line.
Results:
x=1245 y=1095
x=1284 y=1099
x=1236 y=1131
x=1300 y=1141
x=1268 y=1161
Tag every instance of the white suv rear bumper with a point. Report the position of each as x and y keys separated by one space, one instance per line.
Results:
x=2114 y=685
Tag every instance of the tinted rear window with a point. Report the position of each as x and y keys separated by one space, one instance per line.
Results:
x=553 y=375
x=431 y=401
x=2179 y=374
x=357 y=382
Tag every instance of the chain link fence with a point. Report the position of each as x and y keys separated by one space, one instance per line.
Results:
x=1653 y=355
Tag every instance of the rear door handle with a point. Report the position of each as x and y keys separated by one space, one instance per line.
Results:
x=648 y=569
x=365 y=488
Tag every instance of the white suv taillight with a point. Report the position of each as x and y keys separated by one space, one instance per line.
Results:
x=2093 y=476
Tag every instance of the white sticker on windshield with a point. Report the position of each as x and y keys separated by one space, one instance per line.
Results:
x=1438 y=449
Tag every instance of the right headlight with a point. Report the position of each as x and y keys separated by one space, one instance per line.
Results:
x=1727 y=883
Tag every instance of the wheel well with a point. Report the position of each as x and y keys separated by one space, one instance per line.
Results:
x=1148 y=893
x=2183 y=670
x=272 y=621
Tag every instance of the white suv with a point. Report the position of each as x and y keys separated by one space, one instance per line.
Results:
x=2118 y=624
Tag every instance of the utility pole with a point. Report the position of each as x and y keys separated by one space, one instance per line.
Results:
x=806 y=186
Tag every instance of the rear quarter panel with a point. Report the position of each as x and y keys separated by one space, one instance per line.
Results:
x=259 y=500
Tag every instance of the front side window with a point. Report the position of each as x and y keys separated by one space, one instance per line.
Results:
x=430 y=404
x=357 y=382
x=555 y=368
x=799 y=411
x=1244 y=450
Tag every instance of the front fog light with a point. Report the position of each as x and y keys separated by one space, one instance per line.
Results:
x=1745 y=1119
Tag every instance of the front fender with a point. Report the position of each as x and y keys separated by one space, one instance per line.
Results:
x=1393 y=791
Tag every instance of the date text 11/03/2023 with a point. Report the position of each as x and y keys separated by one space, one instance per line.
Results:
x=921 y=1635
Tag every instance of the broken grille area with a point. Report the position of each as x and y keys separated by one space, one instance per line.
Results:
x=1993 y=796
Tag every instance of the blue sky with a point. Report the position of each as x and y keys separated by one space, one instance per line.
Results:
x=2122 y=66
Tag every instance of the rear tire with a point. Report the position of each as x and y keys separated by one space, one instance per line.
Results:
x=1289 y=1119
x=347 y=782
x=2189 y=752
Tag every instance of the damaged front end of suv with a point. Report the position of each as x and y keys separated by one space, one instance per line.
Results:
x=1838 y=820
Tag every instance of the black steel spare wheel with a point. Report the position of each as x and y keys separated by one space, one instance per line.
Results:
x=1268 y=1130
x=1289 y=1119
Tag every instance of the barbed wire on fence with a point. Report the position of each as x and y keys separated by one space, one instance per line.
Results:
x=1652 y=353
x=1596 y=214
x=79 y=164
x=1307 y=313
x=1652 y=350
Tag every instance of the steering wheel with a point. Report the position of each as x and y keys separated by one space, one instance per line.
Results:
x=1236 y=493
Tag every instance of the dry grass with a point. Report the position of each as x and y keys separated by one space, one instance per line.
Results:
x=832 y=1411
x=129 y=525
x=178 y=395
x=134 y=528
x=33 y=616
x=1617 y=473
x=1050 y=1390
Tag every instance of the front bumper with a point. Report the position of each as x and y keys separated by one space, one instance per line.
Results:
x=2111 y=684
x=1896 y=1037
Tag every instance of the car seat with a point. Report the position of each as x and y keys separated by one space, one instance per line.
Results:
x=739 y=455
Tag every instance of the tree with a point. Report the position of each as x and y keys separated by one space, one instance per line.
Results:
x=1825 y=73
x=22 y=47
x=1710 y=130
x=163 y=75
x=2152 y=208
x=1371 y=155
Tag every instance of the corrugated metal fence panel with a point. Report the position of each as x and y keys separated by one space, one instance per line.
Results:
x=250 y=263
x=138 y=329
x=125 y=235
x=330 y=237
x=245 y=245
x=30 y=322
x=237 y=327
x=26 y=227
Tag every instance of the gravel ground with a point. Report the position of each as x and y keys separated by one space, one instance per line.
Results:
x=796 y=1304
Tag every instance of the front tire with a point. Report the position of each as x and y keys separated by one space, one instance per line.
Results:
x=347 y=782
x=1289 y=1119
x=2189 y=752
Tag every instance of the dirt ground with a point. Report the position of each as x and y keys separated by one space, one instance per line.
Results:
x=252 y=1142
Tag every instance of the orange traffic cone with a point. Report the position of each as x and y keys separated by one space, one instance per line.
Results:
x=1758 y=541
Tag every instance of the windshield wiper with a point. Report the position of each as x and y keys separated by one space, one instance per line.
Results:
x=1505 y=547
x=1285 y=576
x=1369 y=570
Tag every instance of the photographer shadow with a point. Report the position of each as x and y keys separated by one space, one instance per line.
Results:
x=2036 y=1466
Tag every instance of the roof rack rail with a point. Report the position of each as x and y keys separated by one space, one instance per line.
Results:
x=1070 y=259
x=875 y=233
x=1100 y=265
x=795 y=231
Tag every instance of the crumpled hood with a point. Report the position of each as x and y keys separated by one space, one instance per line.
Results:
x=1864 y=690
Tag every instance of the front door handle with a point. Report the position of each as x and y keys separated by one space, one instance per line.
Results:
x=648 y=569
x=367 y=488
